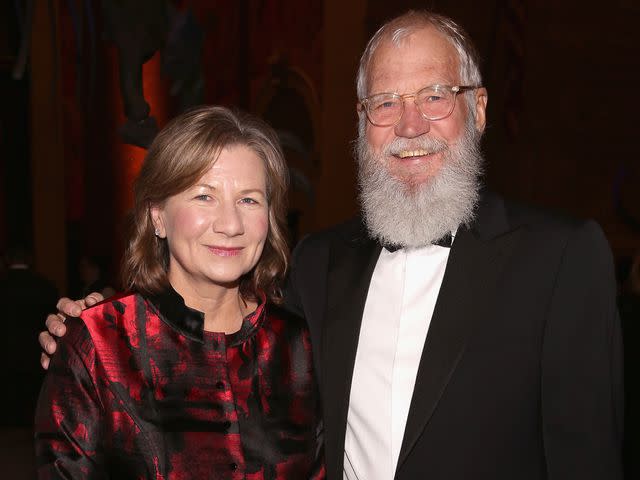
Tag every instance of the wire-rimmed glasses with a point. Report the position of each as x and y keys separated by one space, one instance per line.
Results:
x=434 y=102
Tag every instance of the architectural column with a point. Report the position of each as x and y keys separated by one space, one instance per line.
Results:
x=47 y=155
x=343 y=43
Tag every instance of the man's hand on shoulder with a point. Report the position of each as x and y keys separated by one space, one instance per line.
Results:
x=55 y=323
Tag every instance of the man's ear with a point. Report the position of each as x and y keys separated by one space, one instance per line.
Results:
x=155 y=212
x=481 y=108
x=360 y=110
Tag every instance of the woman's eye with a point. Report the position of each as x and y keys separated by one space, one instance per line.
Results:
x=204 y=197
x=249 y=201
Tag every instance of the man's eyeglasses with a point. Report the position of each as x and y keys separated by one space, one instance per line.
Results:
x=434 y=102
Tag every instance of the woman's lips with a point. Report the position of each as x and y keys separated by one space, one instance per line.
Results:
x=225 y=251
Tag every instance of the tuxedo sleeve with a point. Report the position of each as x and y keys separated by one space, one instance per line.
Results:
x=69 y=414
x=292 y=300
x=582 y=391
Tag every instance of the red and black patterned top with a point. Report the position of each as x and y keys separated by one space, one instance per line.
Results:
x=138 y=390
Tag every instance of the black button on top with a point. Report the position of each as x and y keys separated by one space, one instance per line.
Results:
x=220 y=385
x=233 y=466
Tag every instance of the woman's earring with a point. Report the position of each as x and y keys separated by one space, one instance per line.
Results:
x=157 y=232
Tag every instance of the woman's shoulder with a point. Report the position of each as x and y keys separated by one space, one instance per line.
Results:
x=117 y=305
x=99 y=325
x=109 y=314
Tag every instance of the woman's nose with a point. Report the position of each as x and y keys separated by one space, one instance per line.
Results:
x=229 y=221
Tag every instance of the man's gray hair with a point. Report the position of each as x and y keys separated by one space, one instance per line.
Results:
x=401 y=27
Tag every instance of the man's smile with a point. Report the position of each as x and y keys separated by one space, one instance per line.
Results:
x=413 y=153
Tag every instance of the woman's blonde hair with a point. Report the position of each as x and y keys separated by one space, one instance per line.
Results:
x=178 y=157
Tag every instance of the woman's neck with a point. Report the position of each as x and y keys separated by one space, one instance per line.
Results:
x=223 y=307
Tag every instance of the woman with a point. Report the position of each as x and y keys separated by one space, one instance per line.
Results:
x=196 y=374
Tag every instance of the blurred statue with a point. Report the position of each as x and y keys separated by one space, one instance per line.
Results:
x=138 y=30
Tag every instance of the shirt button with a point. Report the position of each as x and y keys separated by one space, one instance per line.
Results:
x=233 y=466
x=220 y=385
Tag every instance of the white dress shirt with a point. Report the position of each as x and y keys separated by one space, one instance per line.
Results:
x=400 y=302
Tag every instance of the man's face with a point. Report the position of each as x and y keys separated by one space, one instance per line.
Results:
x=424 y=58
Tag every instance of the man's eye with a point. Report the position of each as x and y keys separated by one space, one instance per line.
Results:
x=433 y=98
x=386 y=105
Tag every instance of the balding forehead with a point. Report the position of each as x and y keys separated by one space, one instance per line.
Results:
x=420 y=52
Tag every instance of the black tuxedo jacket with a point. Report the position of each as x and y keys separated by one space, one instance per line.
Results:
x=520 y=375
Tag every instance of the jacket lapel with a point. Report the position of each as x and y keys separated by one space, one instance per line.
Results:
x=351 y=266
x=474 y=266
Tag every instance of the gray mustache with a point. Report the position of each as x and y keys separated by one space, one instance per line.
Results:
x=424 y=143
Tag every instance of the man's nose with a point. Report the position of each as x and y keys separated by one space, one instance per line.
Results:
x=229 y=221
x=412 y=124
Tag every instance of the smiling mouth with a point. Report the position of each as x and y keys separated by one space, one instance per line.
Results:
x=413 y=153
x=225 y=251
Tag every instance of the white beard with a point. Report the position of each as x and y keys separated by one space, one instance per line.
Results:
x=409 y=215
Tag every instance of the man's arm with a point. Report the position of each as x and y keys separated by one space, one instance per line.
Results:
x=292 y=300
x=55 y=323
x=582 y=391
x=305 y=290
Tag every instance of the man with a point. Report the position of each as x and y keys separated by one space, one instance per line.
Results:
x=456 y=335
x=27 y=297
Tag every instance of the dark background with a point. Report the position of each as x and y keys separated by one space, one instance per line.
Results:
x=563 y=107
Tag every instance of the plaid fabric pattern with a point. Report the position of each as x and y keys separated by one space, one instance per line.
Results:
x=138 y=390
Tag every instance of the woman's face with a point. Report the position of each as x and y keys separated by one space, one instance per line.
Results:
x=216 y=229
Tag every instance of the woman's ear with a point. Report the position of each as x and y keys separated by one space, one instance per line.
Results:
x=158 y=222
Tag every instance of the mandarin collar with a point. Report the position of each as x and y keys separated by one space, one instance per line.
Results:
x=190 y=322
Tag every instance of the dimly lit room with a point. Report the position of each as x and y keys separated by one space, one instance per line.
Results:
x=87 y=87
